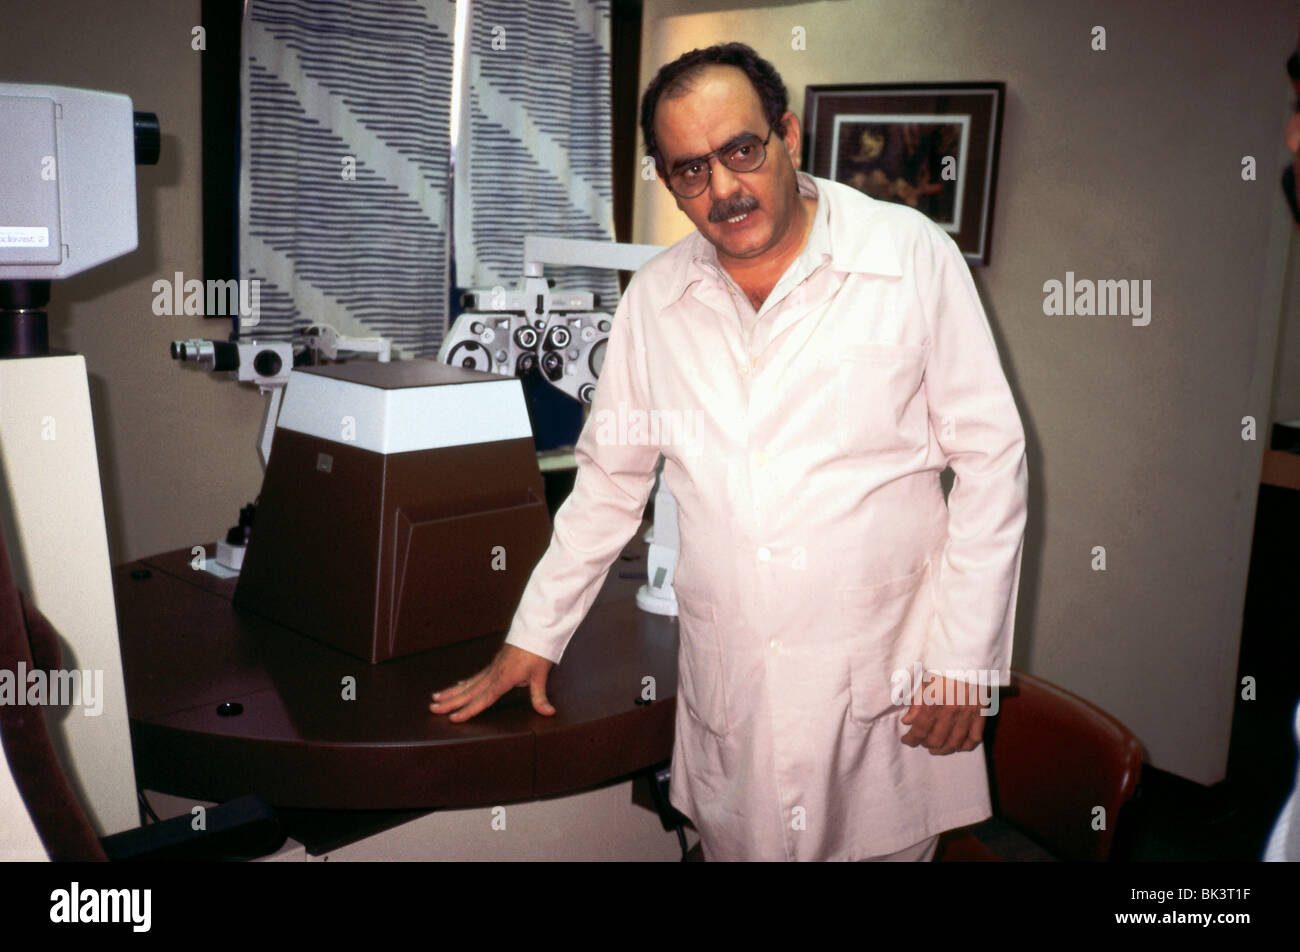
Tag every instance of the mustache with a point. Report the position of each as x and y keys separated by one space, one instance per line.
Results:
x=732 y=207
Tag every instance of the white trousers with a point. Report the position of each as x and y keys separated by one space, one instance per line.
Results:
x=922 y=852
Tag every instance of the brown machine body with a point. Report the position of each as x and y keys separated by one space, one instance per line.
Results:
x=384 y=555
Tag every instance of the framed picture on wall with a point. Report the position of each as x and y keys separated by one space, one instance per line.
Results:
x=933 y=146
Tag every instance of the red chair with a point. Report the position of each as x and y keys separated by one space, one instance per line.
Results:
x=1054 y=758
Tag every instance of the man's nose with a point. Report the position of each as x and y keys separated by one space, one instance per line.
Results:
x=722 y=181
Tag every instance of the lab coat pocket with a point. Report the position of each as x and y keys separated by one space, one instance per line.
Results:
x=878 y=396
x=886 y=627
x=701 y=681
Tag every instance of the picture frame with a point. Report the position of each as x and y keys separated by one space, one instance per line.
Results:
x=933 y=146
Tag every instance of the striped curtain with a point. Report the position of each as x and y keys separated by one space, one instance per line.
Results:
x=534 y=148
x=344 y=171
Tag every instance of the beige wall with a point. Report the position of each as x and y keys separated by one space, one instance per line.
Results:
x=176 y=445
x=1116 y=164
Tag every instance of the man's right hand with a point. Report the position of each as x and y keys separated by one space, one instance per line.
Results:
x=511 y=668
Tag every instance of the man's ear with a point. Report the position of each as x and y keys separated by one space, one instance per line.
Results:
x=793 y=137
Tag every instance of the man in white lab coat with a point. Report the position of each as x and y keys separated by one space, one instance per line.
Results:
x=831 y=357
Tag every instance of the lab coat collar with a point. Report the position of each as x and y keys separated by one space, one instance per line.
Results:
x=859 y=243
x=842 y=232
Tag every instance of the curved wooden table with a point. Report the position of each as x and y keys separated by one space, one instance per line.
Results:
x=186 y=651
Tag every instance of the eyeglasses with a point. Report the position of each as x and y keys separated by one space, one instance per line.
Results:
x=745 y=154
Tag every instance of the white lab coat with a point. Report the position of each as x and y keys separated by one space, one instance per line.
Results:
x=817 y=555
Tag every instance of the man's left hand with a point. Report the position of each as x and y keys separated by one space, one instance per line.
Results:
x=945 y=728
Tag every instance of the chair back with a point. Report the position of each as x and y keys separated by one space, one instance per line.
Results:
x=1061 y=768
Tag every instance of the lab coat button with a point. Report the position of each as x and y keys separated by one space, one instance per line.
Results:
x=760 y=457
x=764 y=554
x=744 y=369
x=774 y=645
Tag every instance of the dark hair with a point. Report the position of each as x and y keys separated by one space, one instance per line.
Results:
x=675 y=79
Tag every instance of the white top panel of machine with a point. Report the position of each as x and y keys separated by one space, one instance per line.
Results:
x=404 y=420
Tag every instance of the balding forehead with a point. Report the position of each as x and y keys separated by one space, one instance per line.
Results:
x=695 y=77
x=722 y=86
